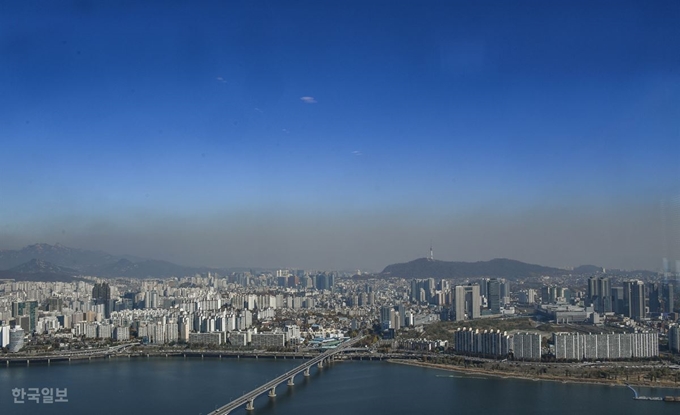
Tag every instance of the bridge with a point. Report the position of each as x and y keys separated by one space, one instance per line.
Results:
x=68 y=355
x=270 y=387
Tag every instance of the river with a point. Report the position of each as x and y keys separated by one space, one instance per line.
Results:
x=196 y=386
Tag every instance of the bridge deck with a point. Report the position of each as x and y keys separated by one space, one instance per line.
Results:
x=275 y=382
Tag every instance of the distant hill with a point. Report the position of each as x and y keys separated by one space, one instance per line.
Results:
x=39 y=270
x=51 y=262
x=37 y=266
x=500 y=268
x=587 y=269
x=58 y=254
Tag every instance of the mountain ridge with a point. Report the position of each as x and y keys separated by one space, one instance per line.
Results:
x=59 y=260
x=498 y=267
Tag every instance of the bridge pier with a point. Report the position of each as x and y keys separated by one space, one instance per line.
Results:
x=7 y=361
x=289 y=377
x=48 y=362
x=28 y=362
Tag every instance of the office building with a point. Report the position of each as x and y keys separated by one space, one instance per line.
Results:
x=634 y=299
x=599 y=294
x=386 y=317
x=26 y=308
x=667 y=297
x=16 y=339
x=494 y=295
x=467 y=302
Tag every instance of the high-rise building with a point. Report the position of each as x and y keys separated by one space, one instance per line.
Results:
x=494 y=295
x=422 y=290
x=121 y=333
x=655 y=300
x=667 y=297
x=467 y=302
x=576 y=346
x=101 y=292
x=26 y=308
x=16 y=339
x=634 y=299
x=618 y=304
x=526 y=346
x=504 y=291
x=674 y=338
x=485 y=343
x=599 y=294
x=331 y=281
x=4 y=336
x=386 y=317
x=322 y=282
x=548 y=294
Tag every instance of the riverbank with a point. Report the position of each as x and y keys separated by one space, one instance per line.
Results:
x=515 y=375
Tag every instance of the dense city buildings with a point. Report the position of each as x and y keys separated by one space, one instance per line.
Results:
x=290 y=308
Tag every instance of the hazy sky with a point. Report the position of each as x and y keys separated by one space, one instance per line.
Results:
x=343 y=135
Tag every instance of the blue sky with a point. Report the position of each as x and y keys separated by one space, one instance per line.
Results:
x=340 y=122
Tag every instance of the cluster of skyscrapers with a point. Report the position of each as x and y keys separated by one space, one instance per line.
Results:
x=293 y=279
x=635 y=299
x=463 y=302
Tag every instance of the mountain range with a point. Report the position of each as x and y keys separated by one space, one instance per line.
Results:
x=499 y=268
x=45 y=262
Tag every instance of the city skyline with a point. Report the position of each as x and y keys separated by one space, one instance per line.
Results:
x=323 y=137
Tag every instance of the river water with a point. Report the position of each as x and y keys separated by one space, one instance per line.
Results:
x=196 y=386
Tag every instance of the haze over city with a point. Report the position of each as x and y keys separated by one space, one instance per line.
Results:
x=343 y=137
